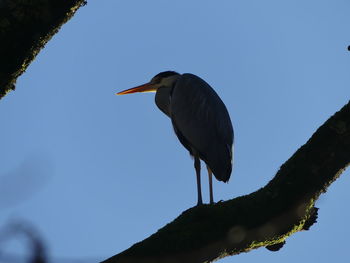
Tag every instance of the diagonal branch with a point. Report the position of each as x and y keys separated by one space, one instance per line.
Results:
x=25 y=27
x=263 y=218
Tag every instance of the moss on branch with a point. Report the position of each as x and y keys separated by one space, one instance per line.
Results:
x=263 y=218
x=25 y=27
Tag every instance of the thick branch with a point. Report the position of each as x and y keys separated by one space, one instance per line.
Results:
x=25 y=27
x=263 y=218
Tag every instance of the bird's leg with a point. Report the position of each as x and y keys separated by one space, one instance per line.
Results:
x=210 y=175
x=197 y=166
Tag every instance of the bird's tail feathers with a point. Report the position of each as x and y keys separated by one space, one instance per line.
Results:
x=222 y=166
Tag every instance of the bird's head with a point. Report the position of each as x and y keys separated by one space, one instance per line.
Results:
x=164 y=79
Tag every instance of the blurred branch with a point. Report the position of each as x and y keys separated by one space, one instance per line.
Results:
x=263 y=218
x=25 y=180
x=37 y=247
x=37 y=251
x=25 y=28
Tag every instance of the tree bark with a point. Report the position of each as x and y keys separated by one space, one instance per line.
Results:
x=25 y=27
x=263 y=218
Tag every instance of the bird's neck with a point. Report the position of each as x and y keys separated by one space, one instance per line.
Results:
x=163 y=99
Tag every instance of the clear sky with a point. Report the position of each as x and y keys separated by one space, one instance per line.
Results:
x=95 y=172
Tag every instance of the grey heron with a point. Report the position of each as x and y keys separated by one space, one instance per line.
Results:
x=200 y=121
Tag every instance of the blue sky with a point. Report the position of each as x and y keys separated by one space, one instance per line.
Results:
x=95 y=172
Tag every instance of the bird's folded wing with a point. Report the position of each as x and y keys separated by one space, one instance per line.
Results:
x=201 y=118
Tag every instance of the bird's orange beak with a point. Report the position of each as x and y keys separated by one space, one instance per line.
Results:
x=148 y=87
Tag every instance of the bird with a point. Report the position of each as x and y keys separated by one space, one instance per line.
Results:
x=200 y=120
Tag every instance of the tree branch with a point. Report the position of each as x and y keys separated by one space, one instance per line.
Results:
x=263 y=218
x=25 y=27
